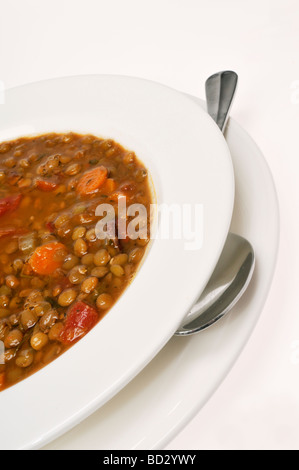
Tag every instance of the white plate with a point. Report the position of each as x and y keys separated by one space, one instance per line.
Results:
x=155 y=406
x=189 y=162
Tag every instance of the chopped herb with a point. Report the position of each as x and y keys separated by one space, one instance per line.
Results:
x=93 y=162
x=42 y=155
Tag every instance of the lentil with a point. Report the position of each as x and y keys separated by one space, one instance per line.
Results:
x=13 y=338
x=101 y=258
x=89 y=284
x=117 y=270
x=104 y=301
x=67 y=297
x=39 y=340
x=25 y=358
x=80 y=247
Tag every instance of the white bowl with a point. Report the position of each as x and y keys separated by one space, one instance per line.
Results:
x=189 y=163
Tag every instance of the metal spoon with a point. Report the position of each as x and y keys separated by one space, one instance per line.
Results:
x=236 y=263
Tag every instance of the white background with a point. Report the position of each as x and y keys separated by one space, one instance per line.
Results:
x=180 y=43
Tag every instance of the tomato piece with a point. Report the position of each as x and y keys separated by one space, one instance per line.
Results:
x=65 y=283
x=81 y=318
x=92 y=181
x=10 y=203
x=46 y=186
x=50 y=226
x=47 y=258
x=11 y=231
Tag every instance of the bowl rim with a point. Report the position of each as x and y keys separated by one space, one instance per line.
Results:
x=223 y=182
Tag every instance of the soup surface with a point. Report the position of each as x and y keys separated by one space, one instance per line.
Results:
x=57 y=276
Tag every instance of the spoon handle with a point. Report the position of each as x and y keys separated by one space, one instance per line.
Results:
x=220 y=91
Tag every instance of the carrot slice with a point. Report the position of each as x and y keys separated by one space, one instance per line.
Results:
x=47 y=258
x=46 y=186
x=92 y=181
x=109 y=186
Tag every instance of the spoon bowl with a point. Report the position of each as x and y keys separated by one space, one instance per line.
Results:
x=227 y=284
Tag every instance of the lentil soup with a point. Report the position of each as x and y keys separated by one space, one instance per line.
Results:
x=57 y=279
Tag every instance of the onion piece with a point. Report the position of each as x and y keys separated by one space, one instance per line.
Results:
x=27 y=243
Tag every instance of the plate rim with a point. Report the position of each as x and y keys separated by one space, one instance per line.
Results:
x=153 y=438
